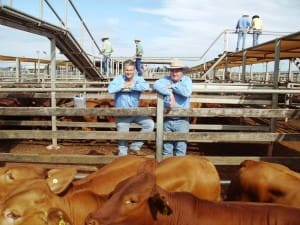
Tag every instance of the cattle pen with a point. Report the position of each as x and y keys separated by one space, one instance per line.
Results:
x=234 y=116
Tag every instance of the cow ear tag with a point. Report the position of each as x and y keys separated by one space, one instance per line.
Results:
x=62 y=222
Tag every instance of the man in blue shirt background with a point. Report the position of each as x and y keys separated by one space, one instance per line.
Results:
x=242 y=28
x=177 y=90
x=127 y=89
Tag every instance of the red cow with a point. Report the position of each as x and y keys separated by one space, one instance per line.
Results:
x=35 y=203
x=138 y=200
x=98 y=103
x=15 y=175
x=105 y=179
x=259 y=181
x=194 y=174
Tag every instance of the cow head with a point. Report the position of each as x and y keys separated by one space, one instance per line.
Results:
x=57 y=216
x=135 y=200
x=30 y=202
x=11 y=176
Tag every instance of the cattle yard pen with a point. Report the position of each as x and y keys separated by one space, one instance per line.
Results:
x=228 y=105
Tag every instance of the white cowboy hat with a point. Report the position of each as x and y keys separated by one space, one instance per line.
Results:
x=175 y=64
x=137 y=39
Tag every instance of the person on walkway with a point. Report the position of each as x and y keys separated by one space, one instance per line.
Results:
x=256 y=27
x=138 y=56
x=106 y=52
x=176 y=89
x=127 y=89
x=242 y=28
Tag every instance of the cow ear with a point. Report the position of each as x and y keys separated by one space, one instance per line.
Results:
x=57 y=216
x=158 y=203
x=59 y=179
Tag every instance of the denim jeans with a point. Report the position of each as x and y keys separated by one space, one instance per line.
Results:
x=176 y=125
x=255 y=37
x=241 y=35
x=123 y=124
x=105 y=64
x=138 y=66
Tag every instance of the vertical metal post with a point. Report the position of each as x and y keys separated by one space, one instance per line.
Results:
x=275 y=86
x=244 y=66
x=226 y=77
x=159 y=127
x=290 y=74
x=18 y=70
x=38 y=70
x=267 y=73
x=225 y=41
x=53 y=93
x=41 y=9
x=251 y=72
x=66 y=14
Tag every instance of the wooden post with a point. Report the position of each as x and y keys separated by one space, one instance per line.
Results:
x=159 y=127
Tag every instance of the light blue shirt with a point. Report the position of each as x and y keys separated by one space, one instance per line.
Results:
x=127 y=98
x=182 y=90
x=243 y=23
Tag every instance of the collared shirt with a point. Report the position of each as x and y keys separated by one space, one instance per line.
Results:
x=107 y=48
x=127 y=98
x=138 y=50
x=243 y=23
x=256 y=24
x=182 y=90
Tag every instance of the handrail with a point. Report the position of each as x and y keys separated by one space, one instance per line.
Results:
x=91 y=36
x=52 y=9
x=231 y=31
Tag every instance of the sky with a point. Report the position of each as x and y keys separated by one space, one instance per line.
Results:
x=167 y=28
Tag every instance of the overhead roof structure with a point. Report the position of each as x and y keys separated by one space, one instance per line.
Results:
x=64 y=40
x=262 y=53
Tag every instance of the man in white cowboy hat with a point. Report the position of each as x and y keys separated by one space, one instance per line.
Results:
x=242 y=27
x=177 y=90
x=106 y=52
x=138 y=56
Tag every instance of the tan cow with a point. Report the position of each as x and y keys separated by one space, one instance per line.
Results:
x=12 y=176
x=195 y=174
x=140 y=201
x=35 y=203
x=188 y=173
x=105 y=179
x=259 y=181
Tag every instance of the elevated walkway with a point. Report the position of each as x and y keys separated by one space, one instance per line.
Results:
x=64 y=40
x=288 y=48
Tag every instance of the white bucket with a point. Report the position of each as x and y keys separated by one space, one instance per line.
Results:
x=79 y=101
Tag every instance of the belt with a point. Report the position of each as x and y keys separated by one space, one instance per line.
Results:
x=176 y=118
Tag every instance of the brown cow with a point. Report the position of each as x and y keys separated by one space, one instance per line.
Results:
x=139 y=201
x=35 y=203
x=12 y=176
x=105 y=179
x=189 y=173
x=195 y=174
x=259 y=181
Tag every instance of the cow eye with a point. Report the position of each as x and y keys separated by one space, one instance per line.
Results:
x=130 y=201
x=13 y=215
x=10 y=176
